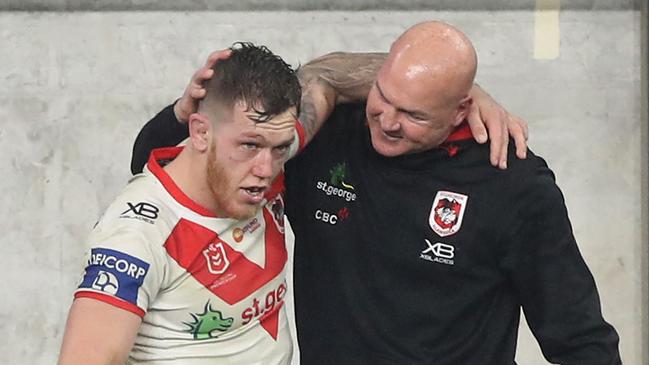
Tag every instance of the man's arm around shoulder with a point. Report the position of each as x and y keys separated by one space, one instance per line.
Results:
x=335 y=78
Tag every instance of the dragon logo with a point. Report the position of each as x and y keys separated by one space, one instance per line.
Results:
x=338 y=174
x=447 y=212
x=206 y=325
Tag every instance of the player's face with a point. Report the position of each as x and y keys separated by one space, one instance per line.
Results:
x=245 y=157
x=403 y=117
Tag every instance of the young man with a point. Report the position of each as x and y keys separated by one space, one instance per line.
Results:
x=410 y=248
x=187 y=265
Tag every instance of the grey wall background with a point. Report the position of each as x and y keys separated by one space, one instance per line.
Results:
x=277 y=5
x=76 y=87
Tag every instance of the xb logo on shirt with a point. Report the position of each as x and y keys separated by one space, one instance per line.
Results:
x=438 y=252
x=141 y=211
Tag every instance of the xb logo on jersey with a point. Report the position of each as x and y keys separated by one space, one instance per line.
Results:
x=142 y=211
x=438 y=252
x=217 y=261
x=447 y=212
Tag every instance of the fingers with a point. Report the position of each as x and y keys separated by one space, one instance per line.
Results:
x=498 y=138
x=504 y=143
x=195 y=88
x=495 y=123
x=215 y=56
x=477 y=126
x=518 y=131
x=523 y=124
x=195 y=91
x=202 y=74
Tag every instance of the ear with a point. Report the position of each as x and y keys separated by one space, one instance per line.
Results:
x=200 y=132
x=462 y=110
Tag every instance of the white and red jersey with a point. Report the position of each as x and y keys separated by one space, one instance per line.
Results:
x=210 y=290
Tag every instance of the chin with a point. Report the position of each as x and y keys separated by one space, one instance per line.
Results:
x=242 y=212
x=387 y=149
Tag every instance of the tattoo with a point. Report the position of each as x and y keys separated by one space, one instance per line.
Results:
x=308 y=115
x=351 y=75
x=333 y=79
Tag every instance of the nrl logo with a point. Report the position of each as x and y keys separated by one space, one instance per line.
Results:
x=446 y=214
x=217 y=261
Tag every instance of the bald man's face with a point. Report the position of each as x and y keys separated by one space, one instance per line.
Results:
x=407 y=115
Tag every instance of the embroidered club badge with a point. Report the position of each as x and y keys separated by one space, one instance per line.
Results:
x=446 y=214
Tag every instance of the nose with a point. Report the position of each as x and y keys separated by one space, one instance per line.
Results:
x=263 y=164
x=388 y=120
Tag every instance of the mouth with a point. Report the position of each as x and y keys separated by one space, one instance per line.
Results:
x=254 y=193
x=391 y=135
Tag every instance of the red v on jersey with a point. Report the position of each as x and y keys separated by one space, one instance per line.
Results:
x=242 y=277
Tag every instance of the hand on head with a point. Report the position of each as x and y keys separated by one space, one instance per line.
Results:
x=195 y=91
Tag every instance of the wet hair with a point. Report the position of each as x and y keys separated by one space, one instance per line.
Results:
x=255 y=76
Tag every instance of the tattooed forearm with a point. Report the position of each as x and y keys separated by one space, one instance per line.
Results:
x=308 y=115
x=351 y=75
x=332 y=79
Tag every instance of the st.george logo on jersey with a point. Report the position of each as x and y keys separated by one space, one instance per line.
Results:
x=446 y=214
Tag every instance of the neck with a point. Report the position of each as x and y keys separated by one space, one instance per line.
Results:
x=188 y=171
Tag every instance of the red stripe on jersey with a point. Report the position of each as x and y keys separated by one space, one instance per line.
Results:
x=116 y=302
x=169 y=153
x=270 y=321
x=191 y=245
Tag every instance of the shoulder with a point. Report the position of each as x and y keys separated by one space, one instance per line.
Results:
x=349 y=111
x=346 y=119
x=532 y=172
x=142 y=212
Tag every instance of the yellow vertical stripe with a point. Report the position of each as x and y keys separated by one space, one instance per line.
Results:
x=546 y=29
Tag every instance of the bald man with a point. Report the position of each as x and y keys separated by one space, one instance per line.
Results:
x=436 y=252
x=410 y=248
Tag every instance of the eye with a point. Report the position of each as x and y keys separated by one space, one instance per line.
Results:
x=416 y=117
x=281 y=151
x=249 y=145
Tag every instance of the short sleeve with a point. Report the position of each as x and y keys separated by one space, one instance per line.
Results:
x=122 y=266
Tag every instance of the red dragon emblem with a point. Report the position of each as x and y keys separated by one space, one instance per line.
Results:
x=447 y=212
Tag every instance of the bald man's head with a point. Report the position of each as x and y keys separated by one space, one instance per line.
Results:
x=424 y=84
x=438 y=54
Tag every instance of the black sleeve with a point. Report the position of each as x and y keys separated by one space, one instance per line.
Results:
x=556 y=289
x=161 y=131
